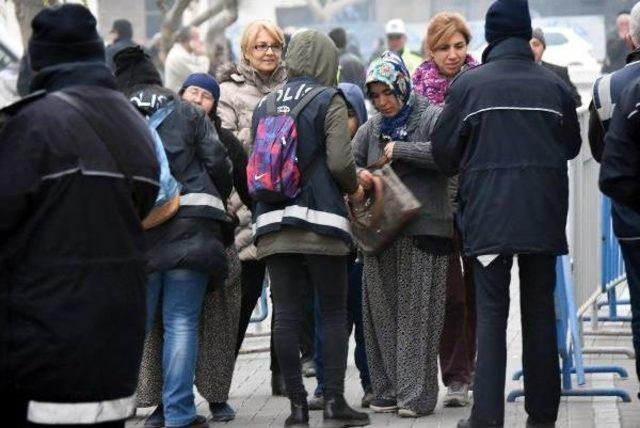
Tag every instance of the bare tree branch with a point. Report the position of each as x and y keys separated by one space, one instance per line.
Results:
x=171 y=23
x=162 y=6
x=208 y=14
x=222 y=20
x=324 y=13
x=26 y=10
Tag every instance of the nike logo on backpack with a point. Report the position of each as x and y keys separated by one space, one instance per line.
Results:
x=259 y=176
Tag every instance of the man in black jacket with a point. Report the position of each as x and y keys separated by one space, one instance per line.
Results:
x=607 y=95
x=511 y=146
x=538 y=46
x=122 y=38
x=77 y=174
x=620 y=180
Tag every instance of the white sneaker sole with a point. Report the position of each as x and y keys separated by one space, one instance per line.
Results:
x=389 y=409
x=456 y=402
x=406 y=413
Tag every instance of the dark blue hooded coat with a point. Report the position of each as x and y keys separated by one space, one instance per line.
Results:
x=355 y=100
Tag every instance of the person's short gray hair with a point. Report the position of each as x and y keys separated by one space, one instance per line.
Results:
x=634 y=24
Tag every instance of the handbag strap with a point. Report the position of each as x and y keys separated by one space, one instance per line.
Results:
x=102 y=133
x=156 y=119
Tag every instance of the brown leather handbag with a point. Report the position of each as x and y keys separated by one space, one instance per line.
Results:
x=164 y=212
x=388 y=207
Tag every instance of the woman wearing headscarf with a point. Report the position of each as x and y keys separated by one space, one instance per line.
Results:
x=221 y=307
x=404 y=287
x=447 y=45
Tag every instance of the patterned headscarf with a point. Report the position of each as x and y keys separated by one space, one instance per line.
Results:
x=391 y=70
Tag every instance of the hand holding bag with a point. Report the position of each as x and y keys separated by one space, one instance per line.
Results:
x=382 y=215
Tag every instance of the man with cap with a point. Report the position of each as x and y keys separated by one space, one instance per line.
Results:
x=77 y=174
x=538 y=46
x=397 y=41
x=122 y=33
x=510 y=145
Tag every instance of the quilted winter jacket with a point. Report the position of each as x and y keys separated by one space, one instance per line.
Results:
x=240 y=90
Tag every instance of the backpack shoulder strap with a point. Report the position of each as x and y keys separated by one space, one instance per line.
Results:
x=160 y=115
x=306 y=99
x=100 y=131
x=271 y=103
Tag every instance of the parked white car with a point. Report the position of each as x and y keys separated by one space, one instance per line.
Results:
x=564 y=47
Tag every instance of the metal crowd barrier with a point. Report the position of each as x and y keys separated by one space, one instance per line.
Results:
x=594 y=267
x=262 y=305
x=613 y=270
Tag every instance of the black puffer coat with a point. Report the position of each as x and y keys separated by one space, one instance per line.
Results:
x=509 y=127
x=192 y=239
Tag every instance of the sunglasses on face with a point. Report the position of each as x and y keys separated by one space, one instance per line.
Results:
x=264 y=47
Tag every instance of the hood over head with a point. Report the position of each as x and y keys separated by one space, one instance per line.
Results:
x=312 y=54
x=134 y=68
x=355 y=98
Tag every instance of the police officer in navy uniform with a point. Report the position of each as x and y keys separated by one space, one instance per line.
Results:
x=72 y=248
x=604 y=129
x=306 y=241
x=511 y=146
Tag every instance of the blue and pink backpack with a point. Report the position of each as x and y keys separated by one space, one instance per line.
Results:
x=273 y=172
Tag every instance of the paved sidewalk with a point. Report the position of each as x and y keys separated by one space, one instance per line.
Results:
x=251 y=390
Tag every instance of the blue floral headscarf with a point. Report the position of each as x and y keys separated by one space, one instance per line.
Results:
x=391 y=70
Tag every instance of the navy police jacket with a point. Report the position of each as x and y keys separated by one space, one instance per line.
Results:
x=508 y=128
x=320 y=206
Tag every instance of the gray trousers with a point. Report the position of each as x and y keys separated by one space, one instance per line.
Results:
x=403 y=302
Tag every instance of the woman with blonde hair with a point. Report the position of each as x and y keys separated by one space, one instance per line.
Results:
x=446 y=44
x=259 y=72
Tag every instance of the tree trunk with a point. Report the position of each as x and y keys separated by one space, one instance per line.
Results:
x=214 y=39
x=172 y=23
x=330 y=8
x=26 y=10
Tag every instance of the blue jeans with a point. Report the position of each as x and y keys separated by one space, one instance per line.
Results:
x=181 y=293
x=354 y=318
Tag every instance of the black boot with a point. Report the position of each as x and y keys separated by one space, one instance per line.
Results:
x=278 y=387
x=337 y=413
x=299 y=415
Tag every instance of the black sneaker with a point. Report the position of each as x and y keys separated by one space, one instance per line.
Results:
x=155 y=419
x=384 y=405
x=199 y=422
x=221 y=412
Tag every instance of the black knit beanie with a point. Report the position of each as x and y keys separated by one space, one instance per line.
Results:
x=134 y=68
x=64 y=33
x=507 y=18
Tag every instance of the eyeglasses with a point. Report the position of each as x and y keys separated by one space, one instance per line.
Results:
x=264 y=47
